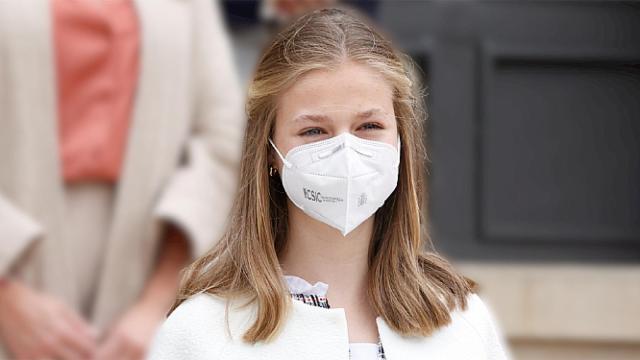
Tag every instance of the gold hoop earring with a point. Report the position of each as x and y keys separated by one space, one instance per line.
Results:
x=272 y=171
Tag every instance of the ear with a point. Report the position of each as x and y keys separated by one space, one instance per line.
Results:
x=271 y=156
x=273 y=159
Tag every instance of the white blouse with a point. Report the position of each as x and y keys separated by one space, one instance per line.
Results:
x=297 y=285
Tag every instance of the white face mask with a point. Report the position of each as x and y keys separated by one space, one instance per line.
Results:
x=340 y=181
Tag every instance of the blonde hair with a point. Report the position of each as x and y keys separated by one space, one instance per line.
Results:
x=410 y=286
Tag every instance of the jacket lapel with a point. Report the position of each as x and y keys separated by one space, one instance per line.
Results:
x=457 y=341
x=31 y=155
x=311 y=332
x=160 y=122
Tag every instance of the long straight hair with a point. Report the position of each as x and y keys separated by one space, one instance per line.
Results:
x=411 y=287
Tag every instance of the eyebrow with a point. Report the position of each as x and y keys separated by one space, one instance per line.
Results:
x=369 y=113
x=311 y=117
x=321 y=117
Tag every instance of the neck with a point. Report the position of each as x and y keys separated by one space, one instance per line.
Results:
x=317 y=252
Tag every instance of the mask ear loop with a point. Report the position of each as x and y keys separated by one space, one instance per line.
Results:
x=284 y=161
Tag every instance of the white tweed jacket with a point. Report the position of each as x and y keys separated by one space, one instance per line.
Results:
x=197 y=329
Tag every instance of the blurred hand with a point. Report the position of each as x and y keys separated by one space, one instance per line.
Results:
x=34 y=325
x=132 y=334
x=294 y=8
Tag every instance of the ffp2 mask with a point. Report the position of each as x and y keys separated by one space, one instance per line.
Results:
x=340 y=181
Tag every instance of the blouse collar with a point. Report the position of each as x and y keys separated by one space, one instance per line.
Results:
x=301 y=286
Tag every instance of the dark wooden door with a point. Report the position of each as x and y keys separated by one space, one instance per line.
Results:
x=534 y=129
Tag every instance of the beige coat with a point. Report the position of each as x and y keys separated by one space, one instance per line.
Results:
x=181 y=158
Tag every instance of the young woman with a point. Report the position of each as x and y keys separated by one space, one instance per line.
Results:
x=324 y=256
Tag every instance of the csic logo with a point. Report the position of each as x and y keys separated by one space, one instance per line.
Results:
x=362 y=199
x=312 y=195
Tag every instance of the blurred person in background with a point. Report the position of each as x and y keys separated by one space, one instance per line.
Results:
x=251 y=12
x=120 y=131
x=253 y=22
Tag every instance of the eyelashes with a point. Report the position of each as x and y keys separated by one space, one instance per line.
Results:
x=370 y=126
x=315 y=131
x=312 y=132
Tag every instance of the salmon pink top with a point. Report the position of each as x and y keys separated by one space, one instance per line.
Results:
x=96 y=61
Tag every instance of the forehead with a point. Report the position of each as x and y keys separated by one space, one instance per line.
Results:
x=353 y=87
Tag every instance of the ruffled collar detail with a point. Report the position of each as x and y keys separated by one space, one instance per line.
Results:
x=301 y=286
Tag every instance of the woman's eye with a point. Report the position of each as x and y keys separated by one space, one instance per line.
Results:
x=370 y=126
x=312 y=132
